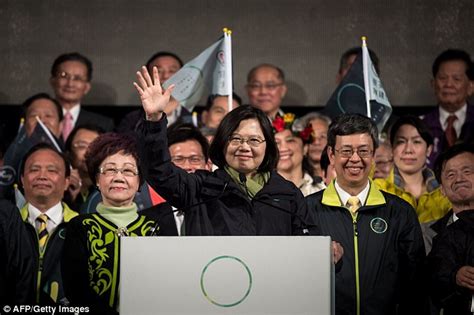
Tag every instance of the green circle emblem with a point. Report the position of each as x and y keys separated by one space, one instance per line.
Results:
x=378 y=225
x=212 y=300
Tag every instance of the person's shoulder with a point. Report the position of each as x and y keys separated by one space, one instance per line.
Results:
x=397 y=204
x=79 y=219
x=434 y=112
x=8 y=209
x=279 y=184
x=465 y=218
x=89 y=117
x=317 y=196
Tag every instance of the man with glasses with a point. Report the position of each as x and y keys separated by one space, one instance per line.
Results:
x=380 y=233
x=266 y=88
x=188 y=150
x=71 y=76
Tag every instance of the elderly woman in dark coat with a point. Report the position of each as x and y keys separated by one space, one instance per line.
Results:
x=91 y=255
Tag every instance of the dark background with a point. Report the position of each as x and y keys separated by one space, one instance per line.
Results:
x=304 y=37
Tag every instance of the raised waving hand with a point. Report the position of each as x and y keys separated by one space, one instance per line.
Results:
x=154 y=99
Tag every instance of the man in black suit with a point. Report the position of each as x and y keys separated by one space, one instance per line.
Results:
x=71 y=76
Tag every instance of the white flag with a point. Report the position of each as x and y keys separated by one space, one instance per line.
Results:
x=377 y=101
x=208 y=71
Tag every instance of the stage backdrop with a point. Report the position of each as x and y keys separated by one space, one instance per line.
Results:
x=304 y=37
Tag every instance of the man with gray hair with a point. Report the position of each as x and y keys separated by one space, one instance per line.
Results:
x=266 y=88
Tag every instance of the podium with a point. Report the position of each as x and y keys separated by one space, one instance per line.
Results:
x=227 y=275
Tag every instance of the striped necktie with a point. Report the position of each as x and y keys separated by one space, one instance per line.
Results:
x=42 y=231
x=353 y=203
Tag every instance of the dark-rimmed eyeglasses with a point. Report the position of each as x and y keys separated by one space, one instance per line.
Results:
x=348 y=152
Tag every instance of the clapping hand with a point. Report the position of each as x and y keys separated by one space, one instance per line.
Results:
x=152 y=96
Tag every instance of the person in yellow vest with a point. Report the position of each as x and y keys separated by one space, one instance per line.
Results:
x=45 y=176
x=410 y=178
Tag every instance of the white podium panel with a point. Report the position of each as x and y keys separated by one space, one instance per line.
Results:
x=226 y=275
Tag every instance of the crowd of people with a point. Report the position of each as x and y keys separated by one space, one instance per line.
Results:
x=398 y=205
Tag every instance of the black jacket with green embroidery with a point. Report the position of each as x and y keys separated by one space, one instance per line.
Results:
x=90 y=262
x=383 y=252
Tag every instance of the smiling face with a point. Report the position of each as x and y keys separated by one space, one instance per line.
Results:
x=291 y=151
x=457 y=180
x=44 y=179
x=242 y=157
x=118 y=189
x=266 y=90
x=451 y=85
x=410 y=150
x=70 y=83
x=188 y=155
x=352 y=172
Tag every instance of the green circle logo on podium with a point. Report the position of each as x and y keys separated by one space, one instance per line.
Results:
x=226 y=281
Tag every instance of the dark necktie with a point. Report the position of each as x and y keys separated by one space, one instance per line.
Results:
x=42 y=231
x=450 y=131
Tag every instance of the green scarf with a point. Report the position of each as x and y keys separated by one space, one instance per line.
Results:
x=120 y=216
x=253 y=185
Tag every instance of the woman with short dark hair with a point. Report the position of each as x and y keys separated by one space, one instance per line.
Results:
x=410 y=178
x=245 y=196
x=92 y=250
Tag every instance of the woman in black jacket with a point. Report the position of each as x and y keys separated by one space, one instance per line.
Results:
x=245 y=196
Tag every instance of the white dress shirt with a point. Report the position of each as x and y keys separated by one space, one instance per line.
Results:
x=460 y=114
x=344 y=195
x=55 y=216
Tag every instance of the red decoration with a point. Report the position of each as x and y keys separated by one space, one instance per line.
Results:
x=278 y=124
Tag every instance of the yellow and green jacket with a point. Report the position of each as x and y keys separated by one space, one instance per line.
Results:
x=383 y=251
x=49 y=287
x=431 y=206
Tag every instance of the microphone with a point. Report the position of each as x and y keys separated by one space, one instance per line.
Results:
x=156 y=227
x=305 y=229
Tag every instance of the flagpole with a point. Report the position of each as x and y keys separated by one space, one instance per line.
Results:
x=365 y=56
x=228 y=65
x=22 y=123
x=49 y=134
